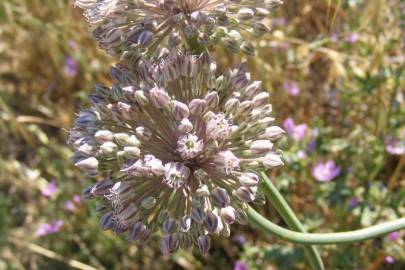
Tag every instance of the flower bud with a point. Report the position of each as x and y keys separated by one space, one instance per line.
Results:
x=274 y=133
x=169 y=244
x=169 y=226
x=245 y=194
x=197 y=106
x=253 y=88
x=180 y=110
x=185 y=224
x=228 y=214
x=220 y=197
x=132 y=152
x=259 y=29
x=261 y=146
x=103 y=136
x=121 y=138
x=204 y=243
x=88 y=164
x=145 y=38
x=261 y=99
x=185 y=126
x=248 y=48
x=108 y=148
x=249 y=179
x=272 y=160
x=212 y=99
x=159 y=98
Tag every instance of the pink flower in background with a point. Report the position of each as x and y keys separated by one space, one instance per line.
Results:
x=72 y=44
x=50 y=189
x=352 y=37
x=71 y=67
x=389 y=259
x=394 y=236
x=395 y=147
x=325 y=172
x=239 y=265
x=334 y=37
x=71 y=205
x=291 y=88
x=298 y=132
x=51 y=228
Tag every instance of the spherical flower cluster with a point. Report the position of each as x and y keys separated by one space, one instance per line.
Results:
x=126 y=26
x=177 y=148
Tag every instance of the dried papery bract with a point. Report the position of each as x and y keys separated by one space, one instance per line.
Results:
x=178 y=147
x=130 y=27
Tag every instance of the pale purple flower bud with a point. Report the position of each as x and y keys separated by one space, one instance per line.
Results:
x=261 y=99
x=145 y=38
x=260 y=28
x=197 y=215
x=231 y=105
x=272 y=160
x=218 y=127
x=228 y=214
x=159 y=98
x=245 y=194
x=212 y=99
x=169 y=244
x=204 y=243
x=249 y=179
x=197 y=106
x=273 y=133
x=137 y=231
x=88 y=164
x=170 y=226
x=107 y=222
x=185 y=126
x=220 y=197
x=121 y=138
x=154 y=165
x=261 y=146
x=253 y=89
x=180 y=110
x=132 y=152
x=103 y=136
x=108 y=148
x=245 y=108
x=212 y=223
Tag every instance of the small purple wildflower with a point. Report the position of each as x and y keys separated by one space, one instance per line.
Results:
x=291 y=88
x=71 y=67
x=72 y=44
x=353 y=203
x=395 y=147
x=51 y=228
x=394 y=236
x=302 y=155
x=389 y=259
x=71 y=205
x=50 y=189
x=240 y=239
x=334 y=37
x=352 y=37
x=325 y=172
x=298 y=132
x=240 y=265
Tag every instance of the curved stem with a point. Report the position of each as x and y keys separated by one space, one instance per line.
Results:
x=288 y=215
x=324 y=238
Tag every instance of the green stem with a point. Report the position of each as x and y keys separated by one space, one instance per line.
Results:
x=324 y=238
x=282 y=207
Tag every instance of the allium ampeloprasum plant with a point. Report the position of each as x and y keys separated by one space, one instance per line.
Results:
x=180 y=150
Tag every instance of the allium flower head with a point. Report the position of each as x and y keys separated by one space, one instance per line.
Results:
x=123 y=26
x=178 y=148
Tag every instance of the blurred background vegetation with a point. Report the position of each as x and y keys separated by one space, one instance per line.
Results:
x=335 y=67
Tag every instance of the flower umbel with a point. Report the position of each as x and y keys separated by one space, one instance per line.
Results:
x=123 y=26
x=178 y=148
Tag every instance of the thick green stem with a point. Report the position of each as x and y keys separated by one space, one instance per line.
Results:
x=324 y=238
x=282 y=207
